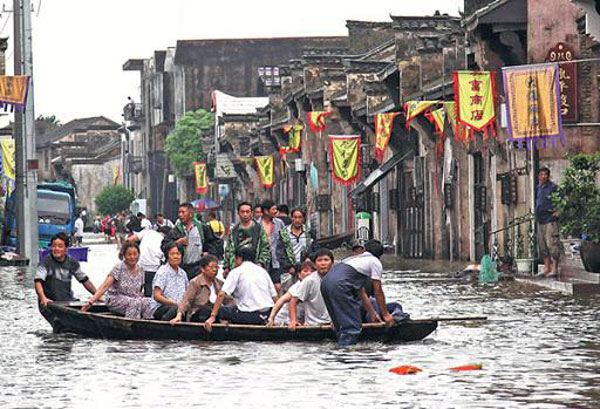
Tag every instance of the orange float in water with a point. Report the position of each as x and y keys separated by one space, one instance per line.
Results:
x=474 y=367
x=406 y=370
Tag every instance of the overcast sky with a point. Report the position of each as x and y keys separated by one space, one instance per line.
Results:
x=80 y=46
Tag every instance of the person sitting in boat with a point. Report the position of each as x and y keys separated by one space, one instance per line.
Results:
x=198 y=300
x=54 y=273
x=252 y=289
x=280 y=313
x=169 y=285
x=309 y=293
x=343 y=288
x=125 y=284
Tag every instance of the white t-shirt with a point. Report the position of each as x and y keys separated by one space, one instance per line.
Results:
x=366 y=264
x=283 y=316
x=309 y=292
x=151 y=255
x=212 y=298
x=79 y=227
x=146 y=224
x=251 y=287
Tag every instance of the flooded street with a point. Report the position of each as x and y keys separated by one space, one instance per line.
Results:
x=538 y=350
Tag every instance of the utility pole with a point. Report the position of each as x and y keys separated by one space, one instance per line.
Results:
x=24 y=134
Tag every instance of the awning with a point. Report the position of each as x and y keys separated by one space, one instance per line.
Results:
x=378 y=174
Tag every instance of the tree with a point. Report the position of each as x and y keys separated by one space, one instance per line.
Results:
x=113 y=199
x=184 y=143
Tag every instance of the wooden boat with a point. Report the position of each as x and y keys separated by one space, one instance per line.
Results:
x=98 y=322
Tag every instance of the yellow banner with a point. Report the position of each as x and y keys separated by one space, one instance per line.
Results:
x=200 y=176
x=412 y=109
x=13 y=90
x=383 y=131
x=475 y=96
x=266 y=170
x=316 y=120
x=8 y=165
x=438 y=117
x=295 y=137
x=345 y=158
x=533 y=102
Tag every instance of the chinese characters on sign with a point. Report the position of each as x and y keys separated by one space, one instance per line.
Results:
x=475 y=102
x=567 y=79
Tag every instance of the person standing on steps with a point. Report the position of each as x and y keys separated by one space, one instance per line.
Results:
x=547 y=216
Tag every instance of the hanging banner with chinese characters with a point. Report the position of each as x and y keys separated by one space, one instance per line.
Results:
x=567 y=81
x=475 y=97
x=265 y=167
x=533 y=103
x=316 y=120
x=7 y=166
x=283 y=150
x=437 y=117
x=412 y=109
x=383 y=131
x=13 y=91
x=345 y=158
x=294 y=133
x=200 y=176
x=450 y=110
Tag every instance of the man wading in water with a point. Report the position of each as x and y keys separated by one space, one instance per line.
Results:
x=343 y=290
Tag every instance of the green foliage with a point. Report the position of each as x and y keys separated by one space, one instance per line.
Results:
x=114 y=199
x=578 y=197
x=184 y=144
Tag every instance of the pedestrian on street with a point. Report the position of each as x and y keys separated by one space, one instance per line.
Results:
x=162 y=221
x=78 y=234
x=257 y=212
x=247 y=233
x=283 y=213
x=343 y=290
x=550 y=246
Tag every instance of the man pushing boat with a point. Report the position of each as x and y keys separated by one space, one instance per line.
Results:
x=343 y=290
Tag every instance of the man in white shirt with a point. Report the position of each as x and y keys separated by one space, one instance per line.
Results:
x=146 y=224
x=309 y=293
x=343 y=290
x=151 y=254
x=78 y=234
x=252 y=289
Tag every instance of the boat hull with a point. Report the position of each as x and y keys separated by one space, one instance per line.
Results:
x=98 y=323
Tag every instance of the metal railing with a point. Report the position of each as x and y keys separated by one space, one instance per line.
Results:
x=515 y=244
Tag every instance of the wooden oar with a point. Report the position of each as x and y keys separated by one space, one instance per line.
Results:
x=467 y=318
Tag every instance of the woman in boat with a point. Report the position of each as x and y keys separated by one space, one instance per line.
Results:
x=280 y=313
x=125 y=284
x=201 y=294
x=169 y=285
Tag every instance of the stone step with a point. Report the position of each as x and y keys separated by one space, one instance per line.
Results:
x=573 y=272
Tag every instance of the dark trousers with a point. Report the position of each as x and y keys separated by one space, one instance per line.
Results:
x=340 y=289
x=235 y=316
x=148 y=279
x=202 y=314
x=165 y=313
x=192 y=270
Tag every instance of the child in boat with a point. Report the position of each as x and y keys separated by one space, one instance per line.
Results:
x=199 y=298
x=309 y=293
x=280 y=312
x=125 y=284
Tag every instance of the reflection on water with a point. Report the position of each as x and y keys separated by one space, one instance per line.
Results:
x=538 y=350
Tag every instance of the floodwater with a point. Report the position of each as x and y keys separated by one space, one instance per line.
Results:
x=538 y=350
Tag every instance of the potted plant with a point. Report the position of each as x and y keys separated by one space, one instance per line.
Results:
x=578 y=201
